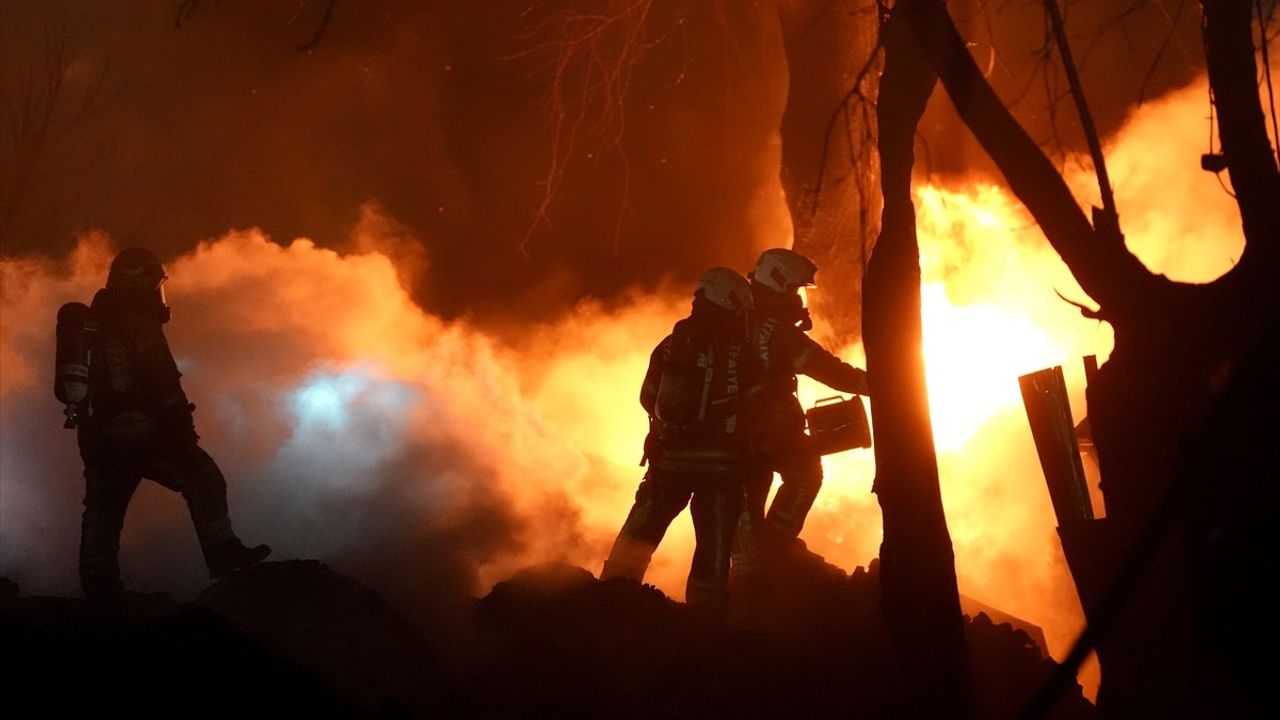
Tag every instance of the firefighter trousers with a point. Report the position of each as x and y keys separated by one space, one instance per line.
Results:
x=760 y=532
x=715 y=501
x=114 y=465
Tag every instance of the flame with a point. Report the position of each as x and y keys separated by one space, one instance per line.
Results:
x=343 y=413
x=990 y=314
x=971 y=353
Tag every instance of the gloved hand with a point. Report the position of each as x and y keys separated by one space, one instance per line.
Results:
x=177 y=427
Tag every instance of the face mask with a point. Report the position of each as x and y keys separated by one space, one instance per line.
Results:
x=796 y=313
x=167 y=313
x=805 y=322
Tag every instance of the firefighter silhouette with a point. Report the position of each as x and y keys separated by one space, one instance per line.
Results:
x=695 y=392
x=778 y=326
x=118 y=378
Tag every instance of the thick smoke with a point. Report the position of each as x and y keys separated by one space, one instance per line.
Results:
x=432 y=456
x=423 y=456
x=164 y=136
x=1126 y=54
x=167 y=135
x=429 y=452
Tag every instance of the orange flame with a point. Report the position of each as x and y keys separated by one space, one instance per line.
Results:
x=318 y=377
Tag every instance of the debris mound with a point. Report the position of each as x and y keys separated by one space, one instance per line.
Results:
x=807 y=640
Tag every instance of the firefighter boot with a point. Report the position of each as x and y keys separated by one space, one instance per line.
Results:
x=792 y=503
x=709 y=599
x=223 y=551
x=225 y=558
x=628 y=559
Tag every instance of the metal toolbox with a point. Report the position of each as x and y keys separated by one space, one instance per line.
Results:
x=837 y=424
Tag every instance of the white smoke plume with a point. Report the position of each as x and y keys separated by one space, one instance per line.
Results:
x=425 y=456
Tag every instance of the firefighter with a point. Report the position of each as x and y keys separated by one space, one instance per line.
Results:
x=778 y=332
x=139 y=424
x=694 y=392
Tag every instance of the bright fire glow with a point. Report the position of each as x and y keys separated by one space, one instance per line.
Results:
x=349 y=386
x=971 y=354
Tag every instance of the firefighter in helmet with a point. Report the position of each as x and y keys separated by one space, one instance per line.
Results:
x=139 y=424
x=778 y=327
x=695 y=393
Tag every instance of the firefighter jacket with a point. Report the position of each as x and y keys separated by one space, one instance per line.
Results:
x=784 y=351
x=135 y=370
x=698 y=390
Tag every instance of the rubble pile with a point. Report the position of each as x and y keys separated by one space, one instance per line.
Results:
x=297 y=637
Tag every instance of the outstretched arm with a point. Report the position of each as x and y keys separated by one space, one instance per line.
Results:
x=815 y=361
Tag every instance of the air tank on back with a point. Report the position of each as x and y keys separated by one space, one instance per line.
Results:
x=72 y=358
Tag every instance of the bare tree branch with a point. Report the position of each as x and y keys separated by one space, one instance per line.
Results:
x=1082 y=107
x=591 y=59
x=324 y=25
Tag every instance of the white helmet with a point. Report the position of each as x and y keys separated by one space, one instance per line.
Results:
x=783 y=270
x=726 y=288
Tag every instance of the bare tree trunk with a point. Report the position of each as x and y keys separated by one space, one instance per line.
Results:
x=919 y=597
x=829 y=167
x=1251 y=161
x=1171 y=340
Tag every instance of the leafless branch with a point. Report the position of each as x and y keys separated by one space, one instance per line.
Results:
x=186 y=8
x=590 y=57
x=1082 y=107
x=842 y=113
x=29 y=118
x=324 y=25
x=1085 y=310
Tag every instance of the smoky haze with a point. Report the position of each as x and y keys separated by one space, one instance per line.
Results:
x=423 y=393
x=164 y=135
x=438 y=111
x=1127 y=54
x=421 y=455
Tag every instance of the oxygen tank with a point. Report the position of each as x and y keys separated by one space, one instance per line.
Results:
x=676 y=397
x=72 y=357
x=684 y=391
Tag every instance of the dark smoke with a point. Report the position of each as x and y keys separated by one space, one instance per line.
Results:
x=435 y=110
x=438 y=111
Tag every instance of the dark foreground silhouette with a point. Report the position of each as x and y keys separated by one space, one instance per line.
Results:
x=296 y=637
